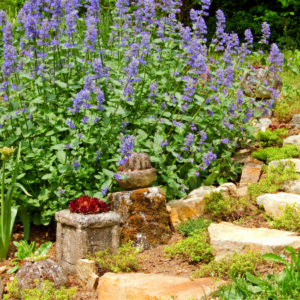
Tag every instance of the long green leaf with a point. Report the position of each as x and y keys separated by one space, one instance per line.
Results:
x=274 y=257
x=18 y=185
x=23 y=216
x=43 y=250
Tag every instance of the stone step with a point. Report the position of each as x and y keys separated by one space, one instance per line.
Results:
x=251 y=172
x=274 y=203
x=292 y=140
x=140 y=286
x=226 y=238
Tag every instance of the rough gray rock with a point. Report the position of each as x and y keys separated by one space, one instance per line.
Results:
x=292 y=186
x=79 y=234
x=264 y=81
x=292 y=140
x=295 y=123
x=41 y=270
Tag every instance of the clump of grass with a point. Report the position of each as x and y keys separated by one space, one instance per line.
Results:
x=194 y=248
x=236 y=263
x=270 y=154
x=46 y=292
x=125 y=260
x=290 y=220
x=270 y=138
x=274 y=181
x=225 y=208
x=188 y=227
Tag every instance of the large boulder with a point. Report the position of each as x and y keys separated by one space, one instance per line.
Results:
x=226 y=238
x=46 y=269
x=139 y=286
x=256 y=84
x=144 y=216
x=274 y=204
x=193 y=205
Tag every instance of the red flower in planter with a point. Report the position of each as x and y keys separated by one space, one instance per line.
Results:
x=88 y=205
x=274 y=127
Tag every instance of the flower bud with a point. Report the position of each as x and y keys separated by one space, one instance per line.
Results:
x=6 y=153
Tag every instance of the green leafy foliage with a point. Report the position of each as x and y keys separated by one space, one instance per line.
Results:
x=72 y=102
x=194 y=248
x=124 y=260
x=290 y=220
x=229 y=170
x=270 y=154
x=274 y=286
x=273 y=181
x=221 y=207
x=47 y=292
x=187 y=228
x=237 y=264
x=29 y=252
x=270 y=138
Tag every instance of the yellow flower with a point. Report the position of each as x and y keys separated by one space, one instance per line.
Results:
x=7 y=153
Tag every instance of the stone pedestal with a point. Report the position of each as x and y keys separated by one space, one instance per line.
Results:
x=144 y=217
x=78 y=235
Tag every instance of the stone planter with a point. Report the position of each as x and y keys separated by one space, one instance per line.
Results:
x=77 y=235
x=137 y=179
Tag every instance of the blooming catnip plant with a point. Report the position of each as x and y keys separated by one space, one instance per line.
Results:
x=81 y=103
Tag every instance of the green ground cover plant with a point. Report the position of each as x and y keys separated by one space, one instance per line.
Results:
x=124 y=260
x=81 y=96
x=275 y=153
x=221 y=207
x=270 y=137
x=187 y=228
x=290 y=220
x=196 y=247
x=273 y=181
x=238 y=264
x=273 y=287
x=47 y=292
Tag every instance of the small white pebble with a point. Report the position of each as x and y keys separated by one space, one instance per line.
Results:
x=11 y=278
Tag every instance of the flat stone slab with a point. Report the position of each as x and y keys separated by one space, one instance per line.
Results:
x=139 y=286
x=226 y=238
x=251 y=172
x=292 y=140
x=193 y=205
x=274 y=203
x=286 y=163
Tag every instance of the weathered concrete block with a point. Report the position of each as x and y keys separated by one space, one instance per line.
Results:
x=144 y=216
x=79 y=234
